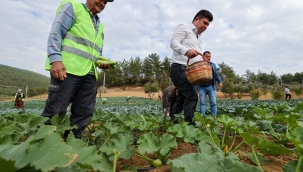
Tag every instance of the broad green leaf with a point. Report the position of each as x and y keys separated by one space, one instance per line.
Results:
x=49 y=153
x=190 y=134
x=44 y=131
x=88 y=155
x=112 y=127
x=7 y=128
x=122 y=143
x=202 y=162
x=296 y=137
x=291 y=167
x=204 y=147
x=227 y=121
x=262 y=112
x=149 y=143
x=196 y=162
x=249 y=139
x=167 y=142
x=62 y=124
x=144 y=125
x=7 y=165
x=71 y=168
x=272 y=148
x=262 y=160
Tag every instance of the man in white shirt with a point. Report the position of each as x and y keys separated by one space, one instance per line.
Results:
x=287 y=93
x=185 y=44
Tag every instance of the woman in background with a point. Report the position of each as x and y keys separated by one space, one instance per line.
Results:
x=168 y=98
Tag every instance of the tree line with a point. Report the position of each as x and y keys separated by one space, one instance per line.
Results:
x=153 y=73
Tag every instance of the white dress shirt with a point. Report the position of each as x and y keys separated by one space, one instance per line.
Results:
x=185 y=37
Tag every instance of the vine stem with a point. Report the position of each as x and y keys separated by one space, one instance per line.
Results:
x=237 y=147
x=299 y=164
x=273 y=131
x=223 y=136
x=232 y=145
x=255 y=155
x=144 y=157
x=115 y=160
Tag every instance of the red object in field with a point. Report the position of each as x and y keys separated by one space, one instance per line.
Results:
x=19 y=103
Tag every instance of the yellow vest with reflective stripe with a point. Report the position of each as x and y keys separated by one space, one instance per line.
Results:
x=80 y=47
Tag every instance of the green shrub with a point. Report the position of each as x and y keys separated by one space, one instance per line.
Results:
x=255 y=94
x=277 y=95
x=239 y=95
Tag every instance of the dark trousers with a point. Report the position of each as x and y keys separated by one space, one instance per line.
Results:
x=80 y=91
x=187 y=96
x=287 y=96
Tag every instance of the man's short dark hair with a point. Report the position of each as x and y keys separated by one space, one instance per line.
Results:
x=206 y=52
x=204 y=14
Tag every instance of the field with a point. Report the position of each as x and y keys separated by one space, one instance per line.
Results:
x=247 y=135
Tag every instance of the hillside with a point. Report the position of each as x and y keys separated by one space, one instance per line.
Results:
x=13 y=78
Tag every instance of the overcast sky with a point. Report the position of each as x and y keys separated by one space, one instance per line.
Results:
x=259 y=35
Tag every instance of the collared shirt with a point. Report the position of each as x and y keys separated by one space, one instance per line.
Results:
x=62 y=23
x=185 y=37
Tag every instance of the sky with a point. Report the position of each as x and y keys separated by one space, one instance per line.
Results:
x=259 y=35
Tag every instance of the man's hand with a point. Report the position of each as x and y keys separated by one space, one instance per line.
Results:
x=220 y=85
x=58 y=70
x=103 y=66
x=191 y=53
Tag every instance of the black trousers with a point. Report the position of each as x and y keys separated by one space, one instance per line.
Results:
x=80 y=91
x=187 y=96
x=287 y=96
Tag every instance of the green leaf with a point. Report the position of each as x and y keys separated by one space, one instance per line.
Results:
x=196 y=162
x=122 y=143
x=148 y=143
x=7 y=165
x=262 y=160
x=167 y=142
x=113 y=128
x=45 y=154
x=88 y=155
x=62 y=124
x=44 y=131
x=291 y=167
x=203 y=162
x=227 y=121
x=272 y=148
x=296 y=137
x=249 y=139
x=7 y=128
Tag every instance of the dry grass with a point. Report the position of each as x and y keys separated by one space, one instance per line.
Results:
x=139 y=92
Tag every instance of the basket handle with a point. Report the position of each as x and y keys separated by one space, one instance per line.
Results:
x=190 y=58
x=187 y=62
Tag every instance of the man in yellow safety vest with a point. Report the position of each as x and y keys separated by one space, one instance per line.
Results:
x=74 y=44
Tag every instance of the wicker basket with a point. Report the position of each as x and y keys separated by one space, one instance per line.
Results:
x=199 y=73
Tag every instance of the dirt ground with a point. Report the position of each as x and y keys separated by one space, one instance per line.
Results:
x=139 y=92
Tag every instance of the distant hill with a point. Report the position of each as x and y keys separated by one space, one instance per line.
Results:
x=11 y=79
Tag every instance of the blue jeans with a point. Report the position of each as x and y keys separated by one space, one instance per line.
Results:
x=211 y=92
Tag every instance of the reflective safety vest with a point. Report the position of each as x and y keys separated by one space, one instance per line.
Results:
x=80 y=47
x=21 y=96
